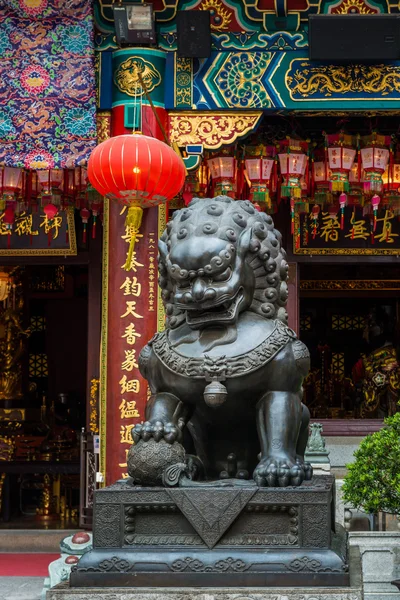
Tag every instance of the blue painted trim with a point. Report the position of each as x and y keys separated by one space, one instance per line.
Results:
x=142 y=52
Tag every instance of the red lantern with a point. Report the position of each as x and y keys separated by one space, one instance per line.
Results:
x=85 y=216
x=375 y=158
x=223 y=174
x=80 y=184
x=293 y=164
x=391 y=181
x=259 y=173
x=138 y=171
x=51 y=182
x=9 y=220
x=11 y=182
x=50 y=210
x=341 y=157
x=321 y=176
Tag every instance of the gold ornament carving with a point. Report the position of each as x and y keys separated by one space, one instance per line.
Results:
x=330 y=79
x=12 y=414
x=183 y=96
x=127 y=76
x=183 y=82
x=4 y=285
x=381 y=383
x=346 y=251
x=71 y=251
x=161 y=225
x=209 y=129
x=218 y=10
x=103 y=121
x=93 y=401
x=13 y=338
x=353 y=7
x=354 y=285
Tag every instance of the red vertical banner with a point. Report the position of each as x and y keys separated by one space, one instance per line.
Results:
x=132 y=321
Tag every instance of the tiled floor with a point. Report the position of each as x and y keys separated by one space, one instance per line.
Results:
x=25 y=522
x=21 y=588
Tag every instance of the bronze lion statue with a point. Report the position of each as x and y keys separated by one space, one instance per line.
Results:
x=226 y=374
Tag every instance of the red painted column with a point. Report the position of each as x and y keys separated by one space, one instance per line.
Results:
x=134 y=310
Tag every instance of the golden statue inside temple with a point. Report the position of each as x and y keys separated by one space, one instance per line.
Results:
x=12 y=340
x=377 y=375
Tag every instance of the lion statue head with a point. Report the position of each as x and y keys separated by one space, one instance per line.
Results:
x=218 y=258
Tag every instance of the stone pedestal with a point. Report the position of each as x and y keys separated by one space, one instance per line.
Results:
x=215 y=537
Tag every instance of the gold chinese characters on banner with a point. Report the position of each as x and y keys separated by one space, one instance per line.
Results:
x=324 y=234
x=129 y=384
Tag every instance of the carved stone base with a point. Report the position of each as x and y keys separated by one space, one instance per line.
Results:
x=212 y=536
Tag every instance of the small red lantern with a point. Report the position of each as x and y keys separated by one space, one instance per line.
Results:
x=85 y=216
x=80 y=184
x=11 y=183
x=137 y=171
x=341 y=157
x=223 y=174
x=9 y=220
x=293 y=165
x=321 y=175
x=259 y=173
x=50 y=210
x=391 y=181
x=51 y=183
x=375 y=158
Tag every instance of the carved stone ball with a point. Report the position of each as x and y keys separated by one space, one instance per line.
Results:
x=147 y=461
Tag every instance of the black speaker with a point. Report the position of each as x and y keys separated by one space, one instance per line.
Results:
x=350 y=38
x=194 y=33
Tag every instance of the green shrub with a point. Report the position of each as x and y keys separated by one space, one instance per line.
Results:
x=373 y=480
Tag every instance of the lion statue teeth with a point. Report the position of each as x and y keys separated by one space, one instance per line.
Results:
x=226 y=375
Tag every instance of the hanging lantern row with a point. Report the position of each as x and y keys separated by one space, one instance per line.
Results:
x=51 y=190
x=347 y=170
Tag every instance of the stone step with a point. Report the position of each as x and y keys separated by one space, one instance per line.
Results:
x=33 y=540
x=64 y=592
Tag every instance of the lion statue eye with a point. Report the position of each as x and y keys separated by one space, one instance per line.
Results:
x=223 y=276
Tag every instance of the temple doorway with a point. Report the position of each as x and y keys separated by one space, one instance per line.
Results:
x=43 y=347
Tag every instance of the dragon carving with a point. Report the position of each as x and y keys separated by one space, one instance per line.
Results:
x=226 y=375
x=332 y=80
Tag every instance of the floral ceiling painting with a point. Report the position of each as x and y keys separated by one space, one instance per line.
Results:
x=47 y=83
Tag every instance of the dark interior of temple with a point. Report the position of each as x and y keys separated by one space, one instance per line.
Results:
x=334 y=317
x=43 y=345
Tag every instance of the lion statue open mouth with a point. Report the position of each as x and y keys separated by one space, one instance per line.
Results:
x=226 y=375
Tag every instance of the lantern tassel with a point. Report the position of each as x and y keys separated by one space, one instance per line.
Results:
x=133 y=221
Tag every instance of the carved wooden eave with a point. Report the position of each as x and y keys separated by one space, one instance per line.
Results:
x=210 y=129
